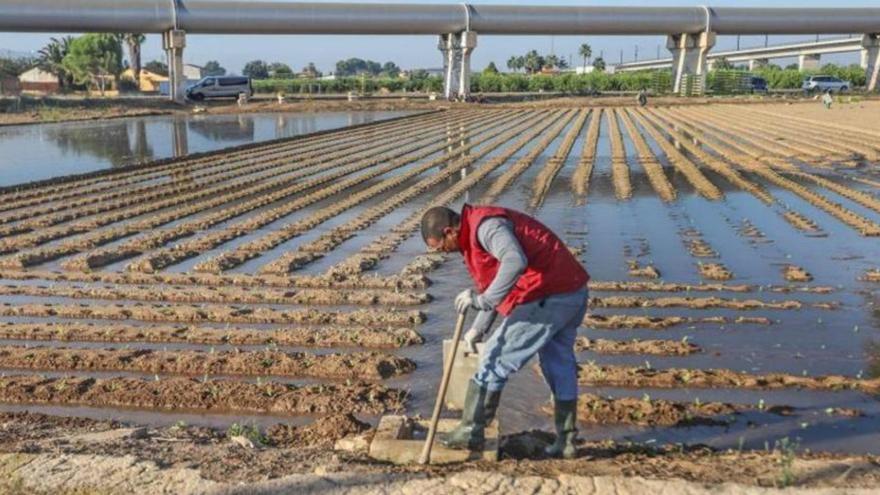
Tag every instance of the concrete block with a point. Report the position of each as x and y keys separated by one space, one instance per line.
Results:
x=407 y=450
x=463 y=370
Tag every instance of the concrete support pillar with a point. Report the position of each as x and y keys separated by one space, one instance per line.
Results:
x=173 y=42
x=689 y=59
x=445 y=45
x=758 y=63
x=467 y=43
x=871 y=60
x=456 y=49
x=809 y=61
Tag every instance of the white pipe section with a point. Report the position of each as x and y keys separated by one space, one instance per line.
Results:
x=288 y=17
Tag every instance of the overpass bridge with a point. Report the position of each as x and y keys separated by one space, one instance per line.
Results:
x=690 y=31
x=808 y=54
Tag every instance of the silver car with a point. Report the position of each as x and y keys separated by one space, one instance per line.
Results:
x=822 y=84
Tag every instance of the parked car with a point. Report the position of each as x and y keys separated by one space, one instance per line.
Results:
x=220 y=86
x=822 y=84
x=757 y=84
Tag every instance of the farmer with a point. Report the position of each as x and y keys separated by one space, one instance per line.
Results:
x=827 y=99
x=523 y=271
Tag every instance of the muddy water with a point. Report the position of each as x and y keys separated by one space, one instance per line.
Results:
x=611 y=232
x=36 y=152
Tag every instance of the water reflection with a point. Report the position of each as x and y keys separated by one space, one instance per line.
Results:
x=119 y=143
x=37 y=152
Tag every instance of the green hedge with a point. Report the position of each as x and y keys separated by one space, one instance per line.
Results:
x=658 y=81
x=346 y=84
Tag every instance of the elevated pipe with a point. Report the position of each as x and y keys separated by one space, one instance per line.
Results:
x=263 y=17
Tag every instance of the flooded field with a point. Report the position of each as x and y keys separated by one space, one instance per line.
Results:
x=733 y=250
x=43 y=151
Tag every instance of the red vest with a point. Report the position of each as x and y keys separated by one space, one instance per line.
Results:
x=551 y=269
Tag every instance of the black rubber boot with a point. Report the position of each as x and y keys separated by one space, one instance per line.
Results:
x=479 y=410
x=565 y=418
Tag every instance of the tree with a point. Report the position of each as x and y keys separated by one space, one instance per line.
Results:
x=157 y=67
x=13 y=67
x=391 y=69
x=280 y=70
x=533 y=62
x=512 y=63
x=52 y=57
x=491 y=69
x=93 y=57
x=311 y=71
x=723 y=64
x=213 y=68
x=599 y=64
x=585 y=51
x=134 y=41
x=520 y=62
x=256 y=69
x=551 y=61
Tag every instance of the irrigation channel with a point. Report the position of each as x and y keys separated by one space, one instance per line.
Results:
x=733 y=250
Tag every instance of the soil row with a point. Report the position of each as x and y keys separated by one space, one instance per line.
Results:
x=630 y=322
x=230 y=259
x=370 y=255
x=373 y=337
x=555 y=163
x=702 y=303
x=359 y=365
x=152 y=172
x=514 y=171
x=690 y=171
x=636 y=346
x=647 y=271
x=619 y=165
x=181 y=394
x=158 y=237
x=718 y=166
x=641 y=377
x=399 y=154
x=653 y=168
x=390 y=282
x=374 y=252
x=852 y=134
x=863 y=225
x=229 y=295
x=593 y=409
x=191 y=180
x=794 y=273
x=833 y=140
x=286 y=174
x=213 y=313
x=580 y=179
x=735 y=151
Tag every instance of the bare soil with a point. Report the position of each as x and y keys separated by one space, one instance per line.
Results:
x=636 y=346
x=376 y=337
x=360 y=365
x=182 y=394
x=639 y=377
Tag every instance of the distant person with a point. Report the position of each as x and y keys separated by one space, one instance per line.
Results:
x=525 y=272
x=642 y=97
x=827 y=99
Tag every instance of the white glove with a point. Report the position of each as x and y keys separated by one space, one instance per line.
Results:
x=470 y=339
x=465 y=300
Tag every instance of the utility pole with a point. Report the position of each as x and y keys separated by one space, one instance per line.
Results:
x=738 y=37
x=621 y=55
x=766 y=40
x=637 y=53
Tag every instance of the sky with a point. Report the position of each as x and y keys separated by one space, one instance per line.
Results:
x=411 y=52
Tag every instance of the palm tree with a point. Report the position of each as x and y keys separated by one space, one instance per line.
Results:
x=586 y=52
x=52 y=56
x=520 y=62
x=134 y=41
x=512 y=63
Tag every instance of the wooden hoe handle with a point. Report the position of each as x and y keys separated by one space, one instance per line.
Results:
x=425 y=458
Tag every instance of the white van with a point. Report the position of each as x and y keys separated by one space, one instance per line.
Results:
x=220 y=86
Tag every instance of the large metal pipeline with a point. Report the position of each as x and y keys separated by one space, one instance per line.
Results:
x=280 y=17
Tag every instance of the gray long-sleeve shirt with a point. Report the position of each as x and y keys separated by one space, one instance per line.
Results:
x=496 y=236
